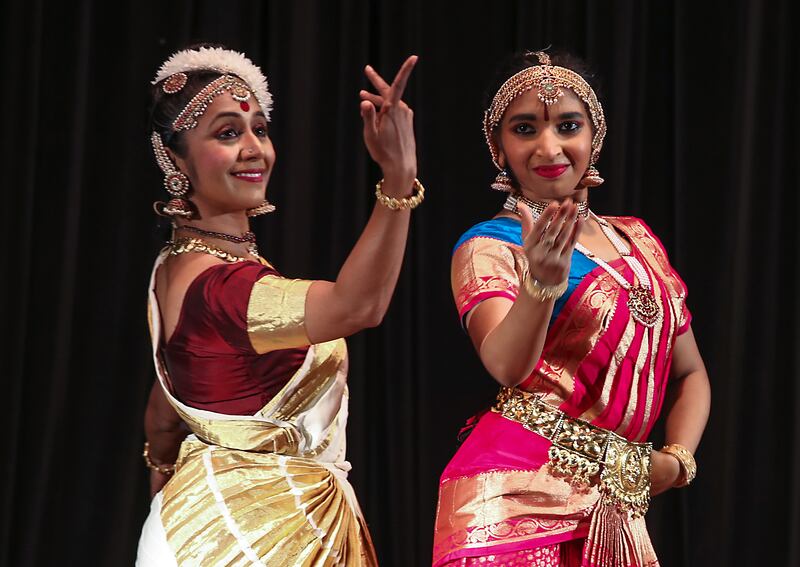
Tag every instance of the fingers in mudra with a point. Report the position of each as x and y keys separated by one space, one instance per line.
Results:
x=550 y=241
x=388 y=95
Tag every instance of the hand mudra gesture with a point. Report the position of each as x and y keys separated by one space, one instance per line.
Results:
x=550 y=240
x=389 y=124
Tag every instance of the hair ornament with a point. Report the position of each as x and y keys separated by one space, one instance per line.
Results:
x=223 y=61
x=174 y=83
x=549 y=80
x=197 y=106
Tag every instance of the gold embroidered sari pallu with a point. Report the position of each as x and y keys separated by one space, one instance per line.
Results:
x=271 y=488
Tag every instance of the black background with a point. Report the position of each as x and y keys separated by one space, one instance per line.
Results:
x=701 y=103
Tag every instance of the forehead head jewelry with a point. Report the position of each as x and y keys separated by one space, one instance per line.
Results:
x=240 y=77
x=549 y=80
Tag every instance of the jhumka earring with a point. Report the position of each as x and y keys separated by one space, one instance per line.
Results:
x=591 y=178
x=262 y=209
x=502 y=182
x=176 y=183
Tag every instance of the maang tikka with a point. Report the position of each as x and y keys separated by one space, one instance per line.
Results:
x=549 y=80
x=239 y=76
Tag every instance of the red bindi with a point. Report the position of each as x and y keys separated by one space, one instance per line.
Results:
x=244 y=105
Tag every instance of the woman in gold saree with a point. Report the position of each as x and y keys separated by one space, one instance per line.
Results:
x=583 y=322
x=252 y=363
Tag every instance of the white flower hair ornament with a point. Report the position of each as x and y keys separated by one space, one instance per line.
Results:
x=217 y=59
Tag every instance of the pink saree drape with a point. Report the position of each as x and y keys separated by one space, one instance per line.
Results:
x=498 y=498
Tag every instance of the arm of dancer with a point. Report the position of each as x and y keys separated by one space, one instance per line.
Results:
x=164 y=431
x=687 y=406
x=364 y=286
x=509 y=335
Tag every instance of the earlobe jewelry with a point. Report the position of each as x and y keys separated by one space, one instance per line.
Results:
x=502 y=182
x=175 y=181
x=591 y=178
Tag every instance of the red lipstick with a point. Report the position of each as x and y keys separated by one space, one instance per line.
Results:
x=551 y=171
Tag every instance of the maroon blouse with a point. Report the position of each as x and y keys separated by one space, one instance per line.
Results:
x=209 y=358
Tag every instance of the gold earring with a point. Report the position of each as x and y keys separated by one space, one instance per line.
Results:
x=591 y=178
x=502 y=182
x=175 y=181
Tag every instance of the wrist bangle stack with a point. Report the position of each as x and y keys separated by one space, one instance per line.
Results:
x=686 y=459
x=543 y=292
x=168 y=470
x=411 y=202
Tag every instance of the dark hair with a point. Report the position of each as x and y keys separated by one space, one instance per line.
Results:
x=164 y=108
x=524 y=59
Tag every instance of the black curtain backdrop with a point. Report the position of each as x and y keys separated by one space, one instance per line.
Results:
x=703 y=122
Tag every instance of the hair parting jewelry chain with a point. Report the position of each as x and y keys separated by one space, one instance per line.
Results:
x=399 y=204
x=239 y=77
x=168 y=470
x=549 y=81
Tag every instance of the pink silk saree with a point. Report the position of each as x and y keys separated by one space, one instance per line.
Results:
x=499 y=500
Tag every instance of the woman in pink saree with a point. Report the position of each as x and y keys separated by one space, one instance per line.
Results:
x=583 y=322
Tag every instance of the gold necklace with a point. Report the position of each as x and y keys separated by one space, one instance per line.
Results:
x=184 y=245
x=538 y=207
x=642 y=303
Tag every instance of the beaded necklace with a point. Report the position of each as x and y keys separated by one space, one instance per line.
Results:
x=641 y=301
x=538 y=207
x=248 y=237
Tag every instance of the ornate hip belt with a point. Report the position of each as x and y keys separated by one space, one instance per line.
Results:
x=581 y=450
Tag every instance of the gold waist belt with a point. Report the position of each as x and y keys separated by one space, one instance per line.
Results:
x=581 y=450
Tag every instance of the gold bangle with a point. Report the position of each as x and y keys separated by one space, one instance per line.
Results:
x=168 y=470
x=411 y=202
x=686 y=459
x=542 y=292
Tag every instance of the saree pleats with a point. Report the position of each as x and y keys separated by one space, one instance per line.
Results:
x=270 y=488
x=229 y=507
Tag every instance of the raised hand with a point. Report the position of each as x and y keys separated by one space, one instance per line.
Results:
x=550 y=240
x=389 y=126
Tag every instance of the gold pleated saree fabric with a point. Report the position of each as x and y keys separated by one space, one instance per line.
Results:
x=271 y=488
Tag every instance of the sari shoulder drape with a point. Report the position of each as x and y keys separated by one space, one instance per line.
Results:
x=269 y=488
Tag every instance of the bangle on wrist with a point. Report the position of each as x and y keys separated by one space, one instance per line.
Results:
x=542 y=292
x=686 y=460
x=168 y=470
x=411 y=202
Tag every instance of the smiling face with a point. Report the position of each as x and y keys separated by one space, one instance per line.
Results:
x=229 y=157
x=546 y=148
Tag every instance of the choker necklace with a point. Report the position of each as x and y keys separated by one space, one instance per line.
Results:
x=185 y=245
x=248 y=237
x=538 y=207
x=641 y=301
